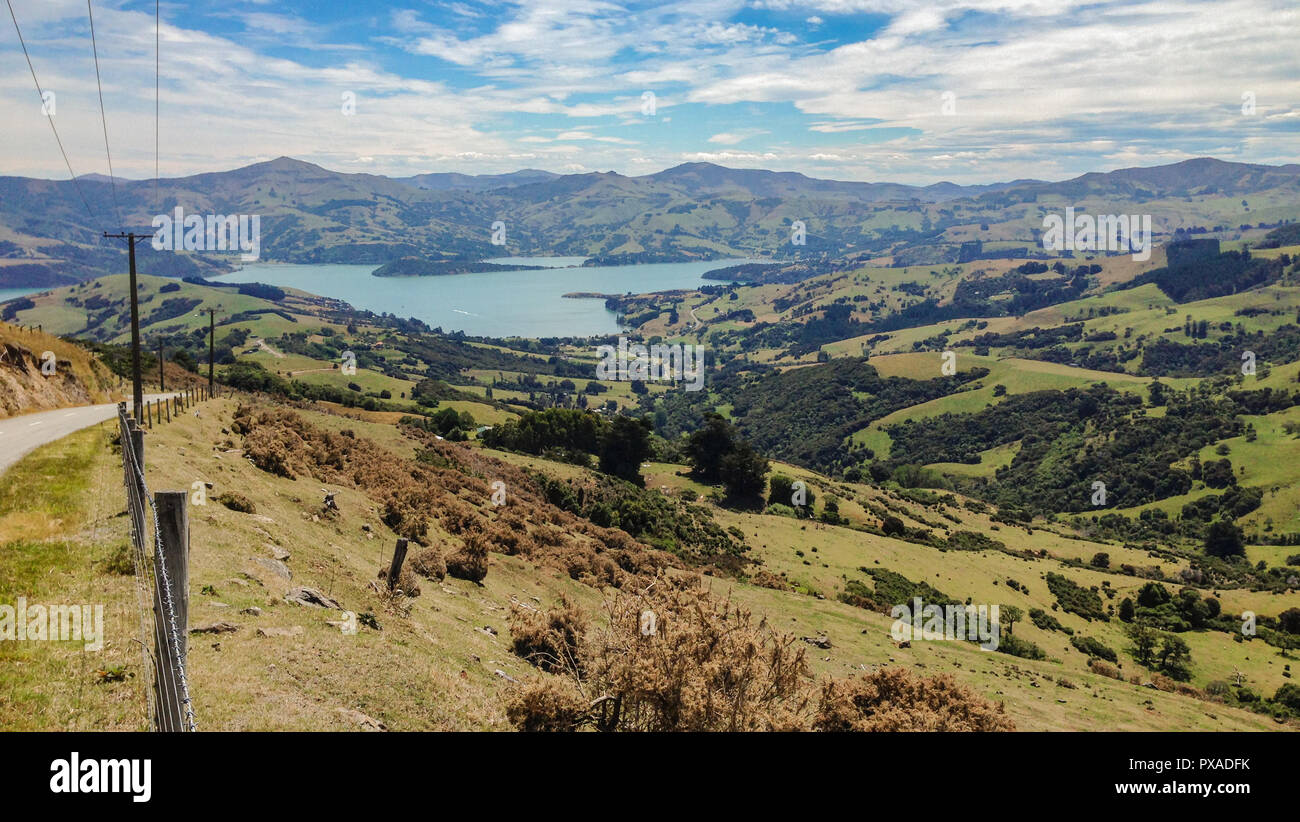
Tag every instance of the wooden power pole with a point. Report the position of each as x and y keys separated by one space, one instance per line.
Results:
x=161 y=385
x=212 y=344
x=137 y=389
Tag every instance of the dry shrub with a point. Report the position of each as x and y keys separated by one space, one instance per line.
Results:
x=407 y=583
x=583 y=564
x=1163 y=683
x=766 y=579
x=551 y=704
x=708 y=665
x=470 y=561
x=1105 y=669
x=550 y=640
x=894 y=699
x=270 y=453
x=237 y=502
x=448 y=477
x=459 y=518
x=549 y=536
x=429 y=564
x=504 y=539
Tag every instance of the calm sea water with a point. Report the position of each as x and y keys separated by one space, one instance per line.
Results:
x=10 y=293
x=493 y=304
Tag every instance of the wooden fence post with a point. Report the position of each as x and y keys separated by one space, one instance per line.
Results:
x=136 y=485
x=395 y=570
x=173 y=555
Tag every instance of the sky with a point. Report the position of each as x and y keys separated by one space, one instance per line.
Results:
x=969 y=91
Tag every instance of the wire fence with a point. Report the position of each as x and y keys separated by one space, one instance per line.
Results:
x=170 y=705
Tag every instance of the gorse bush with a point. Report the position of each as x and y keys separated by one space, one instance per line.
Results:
x=550 y=640
x=470 y=562
x=894 y=699
x=671 y=657
x=448 y=488
x=429 y=563
x=237 y=502
x=697 y=664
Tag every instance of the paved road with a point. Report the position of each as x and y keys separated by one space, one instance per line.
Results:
x=20 y=435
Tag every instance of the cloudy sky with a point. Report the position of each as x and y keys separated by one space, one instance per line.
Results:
x=884 y=90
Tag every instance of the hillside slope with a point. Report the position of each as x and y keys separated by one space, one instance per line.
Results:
x=443 y=660
x=39 y=371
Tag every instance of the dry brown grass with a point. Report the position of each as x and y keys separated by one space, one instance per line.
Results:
x=79 y=377
x=673 y=657
x=450 y=489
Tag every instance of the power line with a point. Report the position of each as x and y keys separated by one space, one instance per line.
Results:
x=75 y=182
x=103 y=117
x=157 y=51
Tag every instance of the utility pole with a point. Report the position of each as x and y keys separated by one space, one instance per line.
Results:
x=161 y=386
x=137 y=390
x=212 y=344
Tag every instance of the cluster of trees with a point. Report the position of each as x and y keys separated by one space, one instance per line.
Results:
x=1086 y=435
x=683 y=529
x=804 y=415
x=448 y=423
x=248 y=375
x=1163 y=652
x=1165 y=358
x=1187 y=611
x=718 y=455
x=1204 y=278
x=621 y=444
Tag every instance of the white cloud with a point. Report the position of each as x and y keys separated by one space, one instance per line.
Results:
x=1042 y=87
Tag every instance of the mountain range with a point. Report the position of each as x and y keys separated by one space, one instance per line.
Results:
x=309 y=214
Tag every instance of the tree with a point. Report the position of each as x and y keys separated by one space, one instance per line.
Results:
x=1159 y=393
x=1289 y=620
x=1224 y=539
x=1153 y=595
x=1126 y=610
x=1144 y=642
x=184 y=359
x=624 y=446
x=781 y=492
x=1100 y=560
x=1288 y=695
x=709 y=445
x=744 y=473
x=1218 y=473
x=1010 y=614
x=1175 y=657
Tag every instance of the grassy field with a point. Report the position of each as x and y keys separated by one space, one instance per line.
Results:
x=438 y=667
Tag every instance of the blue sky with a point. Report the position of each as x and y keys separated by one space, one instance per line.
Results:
x=886 y=90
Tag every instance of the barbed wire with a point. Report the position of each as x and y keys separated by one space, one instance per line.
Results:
x=142 y=581
x=172 y=644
